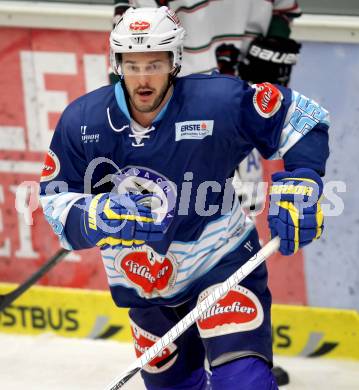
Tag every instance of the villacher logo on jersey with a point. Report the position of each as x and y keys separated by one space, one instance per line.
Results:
x=194 y=129
x=238 y=311
x=144 y=340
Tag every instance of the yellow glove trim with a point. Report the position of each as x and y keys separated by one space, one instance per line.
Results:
x=294 y=214
x=319 y=216
x=112 y=241
x=110 y=214
x=93 y=212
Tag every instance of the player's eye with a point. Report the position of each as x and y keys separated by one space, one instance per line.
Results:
x=158 y=67
x=131 y=69
x=154 y=68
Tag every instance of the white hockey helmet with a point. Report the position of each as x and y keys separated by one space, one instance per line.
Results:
x=147 y=30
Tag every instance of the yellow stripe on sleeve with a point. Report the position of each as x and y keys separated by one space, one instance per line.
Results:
x=113 y=241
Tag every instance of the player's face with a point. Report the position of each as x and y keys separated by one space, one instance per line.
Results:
x=146 y=78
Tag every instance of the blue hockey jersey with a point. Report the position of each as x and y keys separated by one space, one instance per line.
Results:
x=188 y=155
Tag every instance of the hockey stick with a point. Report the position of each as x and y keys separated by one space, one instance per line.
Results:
x=271 y=247
x=7 y=299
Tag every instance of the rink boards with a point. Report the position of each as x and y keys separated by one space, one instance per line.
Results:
x=297 y=330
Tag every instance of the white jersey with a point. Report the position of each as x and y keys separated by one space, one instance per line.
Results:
x=210 y=23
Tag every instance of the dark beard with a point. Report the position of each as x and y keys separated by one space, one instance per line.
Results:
x=157 y=101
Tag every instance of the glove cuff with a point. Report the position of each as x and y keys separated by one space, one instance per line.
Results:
x=305 y=173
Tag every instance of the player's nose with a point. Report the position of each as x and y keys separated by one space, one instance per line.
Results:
x=143 y=80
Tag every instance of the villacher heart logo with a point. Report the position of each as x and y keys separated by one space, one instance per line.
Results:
x=239 y=311
x=267 y=99
x=144 y=340
x=150 y=273
x=51 y=166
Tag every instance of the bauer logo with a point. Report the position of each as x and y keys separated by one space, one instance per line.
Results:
x=193 y=129
x=144 y=340
x=239 y=311
x=273 y=56
x=267 y=99
x=51 y=167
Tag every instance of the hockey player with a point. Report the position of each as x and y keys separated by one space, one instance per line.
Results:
x=245 y=38
x=140 y=170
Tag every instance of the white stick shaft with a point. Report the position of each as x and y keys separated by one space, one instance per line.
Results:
x=271 y=247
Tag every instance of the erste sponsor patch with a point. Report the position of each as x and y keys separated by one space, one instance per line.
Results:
x=194 y=129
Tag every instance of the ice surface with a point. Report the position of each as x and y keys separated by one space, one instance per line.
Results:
x=49 y=362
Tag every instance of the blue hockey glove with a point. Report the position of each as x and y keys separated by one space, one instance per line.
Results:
x=295 y=214
x=120 y=220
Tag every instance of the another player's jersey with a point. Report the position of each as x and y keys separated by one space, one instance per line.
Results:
x=210 y=23
x=187 y=157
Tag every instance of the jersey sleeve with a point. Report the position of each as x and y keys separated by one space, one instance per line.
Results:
x=273 y=119
x=62 y=178
x=283 y=13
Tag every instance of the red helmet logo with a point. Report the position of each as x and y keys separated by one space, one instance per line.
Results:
x=139 y=25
